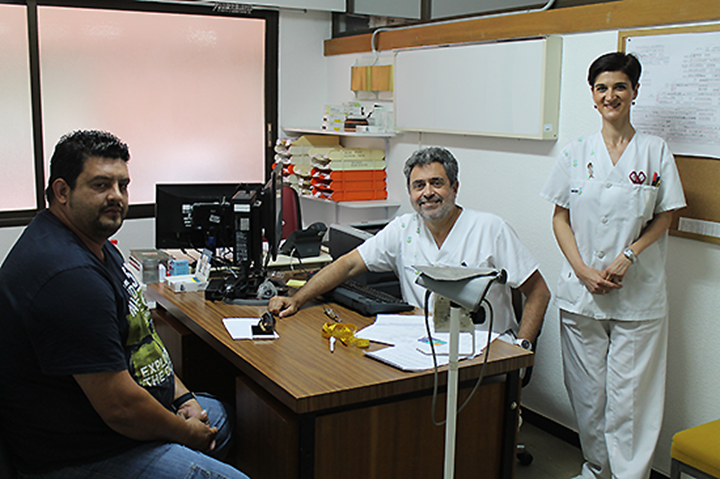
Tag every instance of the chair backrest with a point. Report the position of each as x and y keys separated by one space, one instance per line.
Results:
x=7 y=469
x=292 y=220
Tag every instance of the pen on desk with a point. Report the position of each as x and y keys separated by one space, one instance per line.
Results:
x=332 y=315
x=332 y=344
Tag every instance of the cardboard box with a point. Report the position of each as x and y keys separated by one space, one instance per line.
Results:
x=364 y=195
x=144 y=263
x=302 y=145
x=186 y=283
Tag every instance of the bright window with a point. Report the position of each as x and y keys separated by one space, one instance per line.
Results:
x=17 y=182
x=191 y=90
x=185 y=92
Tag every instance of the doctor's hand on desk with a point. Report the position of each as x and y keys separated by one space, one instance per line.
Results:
x=283 y=306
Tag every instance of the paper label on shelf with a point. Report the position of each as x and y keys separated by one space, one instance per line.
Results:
x=347 y=165
x=356 y=154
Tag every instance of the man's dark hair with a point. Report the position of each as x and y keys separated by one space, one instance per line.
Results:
x=616 y=62
x=73 y=149
x=432 y=154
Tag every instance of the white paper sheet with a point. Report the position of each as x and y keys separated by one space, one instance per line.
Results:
x=241 y=328
x=678 y=98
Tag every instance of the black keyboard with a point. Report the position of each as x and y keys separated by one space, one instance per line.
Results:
x=367 y=300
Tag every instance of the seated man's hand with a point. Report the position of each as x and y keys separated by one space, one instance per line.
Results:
x=282 y=306
x=202 y=436
x=192 y=408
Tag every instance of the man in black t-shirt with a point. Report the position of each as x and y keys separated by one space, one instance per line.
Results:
x=86 y=386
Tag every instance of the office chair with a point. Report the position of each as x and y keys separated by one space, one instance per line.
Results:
x=292 y=220
x=694 y=452
x=523 y=455
x=7 y=469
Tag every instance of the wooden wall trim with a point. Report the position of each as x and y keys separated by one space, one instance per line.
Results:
x=615 y=15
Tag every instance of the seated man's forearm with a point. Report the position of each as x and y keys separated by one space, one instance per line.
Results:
x=130 y=410
x=326 y=279
x=537 y=297
x=332 y=275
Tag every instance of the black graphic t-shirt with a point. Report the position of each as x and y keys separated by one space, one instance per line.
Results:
x=64 y=313
x=148 y=360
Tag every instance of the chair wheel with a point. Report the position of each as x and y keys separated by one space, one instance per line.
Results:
x=525 y=458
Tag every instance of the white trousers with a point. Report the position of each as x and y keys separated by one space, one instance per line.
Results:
x=615 y=377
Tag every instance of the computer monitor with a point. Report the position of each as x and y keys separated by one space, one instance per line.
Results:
x=272 y=218
x=194 y=215
x=235 y=216
x=342 y=239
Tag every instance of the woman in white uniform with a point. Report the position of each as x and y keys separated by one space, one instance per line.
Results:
x=614 y=193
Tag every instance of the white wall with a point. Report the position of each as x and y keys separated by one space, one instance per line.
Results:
x=8 y=236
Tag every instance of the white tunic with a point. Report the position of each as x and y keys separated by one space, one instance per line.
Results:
x=476 y=240
x=609 y=207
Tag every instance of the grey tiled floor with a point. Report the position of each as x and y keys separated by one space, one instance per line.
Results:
x=553 y=458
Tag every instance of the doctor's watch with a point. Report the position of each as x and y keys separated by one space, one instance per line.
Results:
x=523 y=343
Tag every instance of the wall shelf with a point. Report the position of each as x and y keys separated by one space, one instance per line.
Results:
x=320 y=131
x=389 y=207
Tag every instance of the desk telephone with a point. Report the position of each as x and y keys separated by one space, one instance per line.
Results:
x=304 y=243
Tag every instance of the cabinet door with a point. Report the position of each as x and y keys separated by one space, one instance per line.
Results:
x=201 y=368
x=383 y=8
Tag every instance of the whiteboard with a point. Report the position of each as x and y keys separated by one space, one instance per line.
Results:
x=508 y=89
x=679 y=97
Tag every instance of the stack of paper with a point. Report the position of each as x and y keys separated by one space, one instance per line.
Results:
x=410 y=347
x=293 y=153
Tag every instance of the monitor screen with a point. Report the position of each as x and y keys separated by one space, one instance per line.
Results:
x=194 y=215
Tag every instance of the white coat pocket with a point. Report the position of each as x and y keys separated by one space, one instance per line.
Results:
x=643 y=201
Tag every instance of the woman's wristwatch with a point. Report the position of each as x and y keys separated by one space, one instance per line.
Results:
x=629 y=254
x=180 y=400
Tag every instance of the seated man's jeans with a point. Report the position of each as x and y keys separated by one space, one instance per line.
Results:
x=158 y=460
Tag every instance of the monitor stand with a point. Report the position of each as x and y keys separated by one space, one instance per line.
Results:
x=255 y=289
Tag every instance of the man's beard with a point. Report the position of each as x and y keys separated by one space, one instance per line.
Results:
x=110 y=228
x=441 y=212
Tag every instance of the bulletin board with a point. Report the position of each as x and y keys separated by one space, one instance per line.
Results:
x=679 y=100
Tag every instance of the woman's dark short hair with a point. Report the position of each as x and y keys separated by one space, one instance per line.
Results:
x=616 y=62
x=68 y=159
x=432 y=154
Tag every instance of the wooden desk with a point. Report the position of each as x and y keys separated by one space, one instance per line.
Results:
x=306 y=413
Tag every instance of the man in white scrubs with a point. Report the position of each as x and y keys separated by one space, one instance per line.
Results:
x=440 y=233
